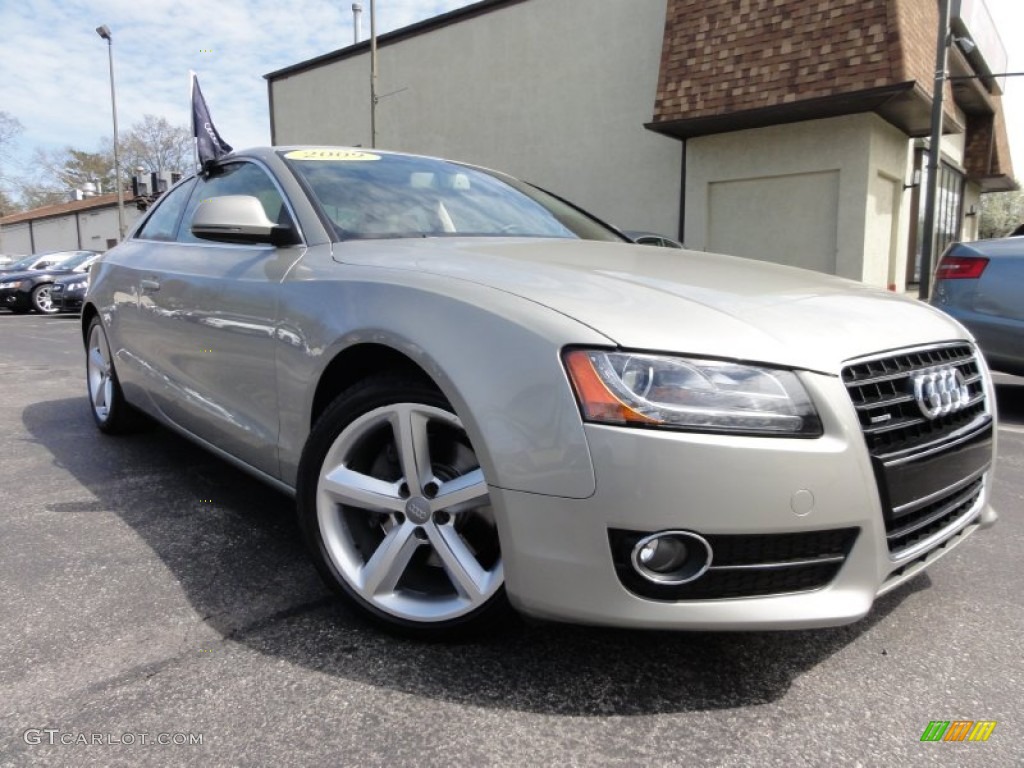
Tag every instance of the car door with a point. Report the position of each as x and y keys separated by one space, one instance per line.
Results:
x=213 y=307
x=121 y=302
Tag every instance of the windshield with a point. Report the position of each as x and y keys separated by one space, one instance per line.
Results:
x=74 y=260
x=364 y=194
x=25 y=263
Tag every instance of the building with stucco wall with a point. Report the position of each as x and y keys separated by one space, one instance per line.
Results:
x=89 y=224
x=787 y=130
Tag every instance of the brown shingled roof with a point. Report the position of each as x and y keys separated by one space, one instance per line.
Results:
x=47 y=211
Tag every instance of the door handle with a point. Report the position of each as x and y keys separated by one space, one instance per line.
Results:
x=149 y=286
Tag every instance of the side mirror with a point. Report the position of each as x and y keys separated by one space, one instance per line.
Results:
x=238 y=219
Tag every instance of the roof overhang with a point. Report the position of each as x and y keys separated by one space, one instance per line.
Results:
x=903 y=104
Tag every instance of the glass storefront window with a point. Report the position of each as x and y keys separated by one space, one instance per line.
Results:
x=949 y=201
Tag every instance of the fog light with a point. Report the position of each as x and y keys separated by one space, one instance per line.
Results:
x=672 y=557
x=663 y=555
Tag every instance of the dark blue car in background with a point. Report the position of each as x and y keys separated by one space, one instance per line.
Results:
x=981 y=284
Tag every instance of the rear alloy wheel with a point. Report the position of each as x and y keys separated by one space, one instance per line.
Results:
x=397 y=512
x=42 y=299
x=109 y=410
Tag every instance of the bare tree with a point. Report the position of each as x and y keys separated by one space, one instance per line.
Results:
x=7 y=204
x=34 y=194
x=156 y=145
x=10 y=127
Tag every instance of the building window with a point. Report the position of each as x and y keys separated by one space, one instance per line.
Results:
x=949 y=205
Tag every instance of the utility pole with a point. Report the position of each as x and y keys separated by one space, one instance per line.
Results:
x=373 y=73
x=104 y=32
x=934 y=153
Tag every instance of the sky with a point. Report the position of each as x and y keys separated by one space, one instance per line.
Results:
x=55 y=78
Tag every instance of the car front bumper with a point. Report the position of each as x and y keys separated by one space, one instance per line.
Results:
x=764 y=503
x=14 y=298
x=68 y=301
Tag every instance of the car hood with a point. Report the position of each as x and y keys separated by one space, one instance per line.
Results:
x=688 y=302
x=33 y=273
x=70 y=277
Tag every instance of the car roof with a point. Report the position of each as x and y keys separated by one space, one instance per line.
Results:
x=266 y=153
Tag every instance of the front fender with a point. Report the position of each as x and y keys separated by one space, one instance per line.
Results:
x=495 y=356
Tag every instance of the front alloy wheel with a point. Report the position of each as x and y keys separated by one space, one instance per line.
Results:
x=397 y=510
x=42 y=300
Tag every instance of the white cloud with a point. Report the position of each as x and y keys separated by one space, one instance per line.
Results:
x=54 y=66
x=56 y=79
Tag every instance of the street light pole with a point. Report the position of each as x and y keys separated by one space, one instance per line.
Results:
x=934 y=152
x=373 y=73
x=104 y=32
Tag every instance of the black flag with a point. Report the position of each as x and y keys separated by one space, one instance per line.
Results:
x=209 y=144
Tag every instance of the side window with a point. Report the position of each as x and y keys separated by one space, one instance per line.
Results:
x=163 y=222
x=235 y=179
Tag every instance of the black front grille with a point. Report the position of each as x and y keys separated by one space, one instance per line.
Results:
x=929 y=470
x=905 y=532
x=747 y=565
x=883 y=393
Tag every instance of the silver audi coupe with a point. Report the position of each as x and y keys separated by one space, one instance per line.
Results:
x=482 y=397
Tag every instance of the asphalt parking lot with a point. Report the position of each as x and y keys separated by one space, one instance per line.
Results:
x=151 y=593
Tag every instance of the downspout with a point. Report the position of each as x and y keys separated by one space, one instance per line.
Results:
x=31 y=237
x=273 y=124
x=78 y=230
x=682 y=197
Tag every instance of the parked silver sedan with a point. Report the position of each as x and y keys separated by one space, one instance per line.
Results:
x=482 y=396
x=981 y=284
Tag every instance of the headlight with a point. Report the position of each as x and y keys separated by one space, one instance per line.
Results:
x=11 y=284
x=682 y=393
x=78 y=285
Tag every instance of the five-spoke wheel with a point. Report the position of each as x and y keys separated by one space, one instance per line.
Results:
x=397 y=508
x=109 y=409
x=42 y=299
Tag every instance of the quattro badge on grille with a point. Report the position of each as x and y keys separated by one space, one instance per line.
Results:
x=939 y=391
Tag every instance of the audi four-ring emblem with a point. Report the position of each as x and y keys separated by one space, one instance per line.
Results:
x=939 y=391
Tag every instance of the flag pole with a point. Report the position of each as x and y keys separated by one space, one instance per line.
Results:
x=192 y=119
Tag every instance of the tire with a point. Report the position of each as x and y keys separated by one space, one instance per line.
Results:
x=111 y=412
x=395 y=510
x=42 y=299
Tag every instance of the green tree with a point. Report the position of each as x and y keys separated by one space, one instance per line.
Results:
x=70 y=168
x=1001 y=212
